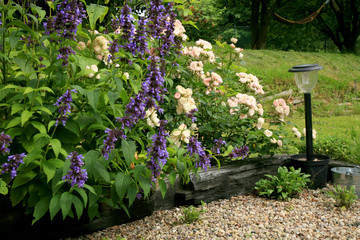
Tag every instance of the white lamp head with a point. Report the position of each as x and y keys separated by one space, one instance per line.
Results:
x=306 y=76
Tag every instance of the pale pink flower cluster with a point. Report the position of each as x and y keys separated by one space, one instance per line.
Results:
x=185 y=101
x=281 y=108
x=252 y=81
x=93 y=69
x=247 y=100
x=203 y=48
x=212 y=81
x=260 y=123
x=296 y=132
x=180 y=134
x=234 y=40
x=179 y=30
x=100 y=47
x=196 y=66
x=314 y=133
x=152 y=118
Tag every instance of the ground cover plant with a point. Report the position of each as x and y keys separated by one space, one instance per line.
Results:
x=98 y=106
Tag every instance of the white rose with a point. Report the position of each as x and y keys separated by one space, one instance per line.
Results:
x=233 y=40
x=182 y=127
x=268 y=133
x=279 y=143
x=273 y=140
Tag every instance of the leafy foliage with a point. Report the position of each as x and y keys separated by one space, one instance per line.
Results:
x=192 y=214
x=345 y=197
x=284 y=186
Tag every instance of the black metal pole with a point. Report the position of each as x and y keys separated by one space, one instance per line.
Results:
x=308 y=126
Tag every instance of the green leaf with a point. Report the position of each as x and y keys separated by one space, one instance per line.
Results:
x=25 y=116
x=39 y=126
x=54 y=206
x=3 y=188
x=145 y=185
x=41 y=13
x=78 y=206
x=16 y=108
x=112 y=98
x=14 y=38
x=93 y=97
x=14 y=122
x=23 y=178
x=82 y=194
x=56 y=146
x=163 y=187
x=139 y=169
x=131 y=192
x=172 y=178
x=129 y=149
x=95 y=12
x=91 y=158
x=26 y=67
x=49 y=168
x=90 y=188
x=28 y=90
x=40 y=209
x=101 y=170
x=65 y=203
x=122 y=182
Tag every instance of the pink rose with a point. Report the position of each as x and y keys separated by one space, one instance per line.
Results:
x=177 y=95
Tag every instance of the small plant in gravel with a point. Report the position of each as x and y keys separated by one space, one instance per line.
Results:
x=286 y=185
x=192 y=214
x=344 y=196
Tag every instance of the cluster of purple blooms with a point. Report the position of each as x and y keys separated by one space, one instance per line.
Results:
x=191 y=113
x=0 y=19
x=218 y=144
x=195 y=148
x=5 y=141
x=14 y=160
x=64 y=54
x=239 y=152
x=69 y=15
x=63 y=103
x=109 y=143
x=76 y=175
x=157 y=152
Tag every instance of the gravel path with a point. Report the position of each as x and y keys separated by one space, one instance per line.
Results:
x=311 y=216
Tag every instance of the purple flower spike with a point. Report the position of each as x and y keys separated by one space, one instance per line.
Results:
x=76 y=175
x=64 y=54
x=195 y=148
x=239 y=152
x=218 y=144
x=109 y=142
x=13 y=164
x=157 y=152
x=5 y=141
x=191 y=113
x=63 y=103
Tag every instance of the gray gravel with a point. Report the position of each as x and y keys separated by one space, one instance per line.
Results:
x=311 y=216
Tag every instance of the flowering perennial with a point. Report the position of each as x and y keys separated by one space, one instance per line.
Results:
x=195 y=148
x=180 y=134
x=12 y=165
x=186 y=104
x=64 y=54
x=109 y=143
x=76 y=175
x=247 y=100
x=252 y=81
x=63 y=103
x=218 y=144
x=239 y=152
x=5 y=141
x=157 y=152
x=281 y=108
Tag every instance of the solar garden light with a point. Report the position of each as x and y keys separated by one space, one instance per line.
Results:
x=306 y=78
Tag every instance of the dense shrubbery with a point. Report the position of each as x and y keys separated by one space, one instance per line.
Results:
x=106 y=114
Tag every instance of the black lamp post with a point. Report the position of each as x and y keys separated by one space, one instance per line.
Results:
x=306 y=78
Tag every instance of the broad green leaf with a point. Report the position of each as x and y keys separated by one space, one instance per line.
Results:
x=172 y=178
x=91 y=158
x=56 y=146
x=25 y=116
x=41 y=109
x=101 y=170
x=129 y=149
x=95 y=12
x=79 y=207
x=3 y=188
x=16 y=108
x=49 y=168
x=54 y=206
x=93 y=97
x=14 y=122
x=112 y=98
x=145 y=185
x=23 y=178
x=83 y=194
x=14 y=38
x=132 y=192
x=18 y=194
x=40 y=209
x=122 y=182
x=90 y=188
x=139 y=169
x=163 y=187
x=28 y=90
x=39 y=126
x=26 y=67
x=47 y=89
x=41 y=13
x=72 y=126
x=65 y=203
x=93 y=211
